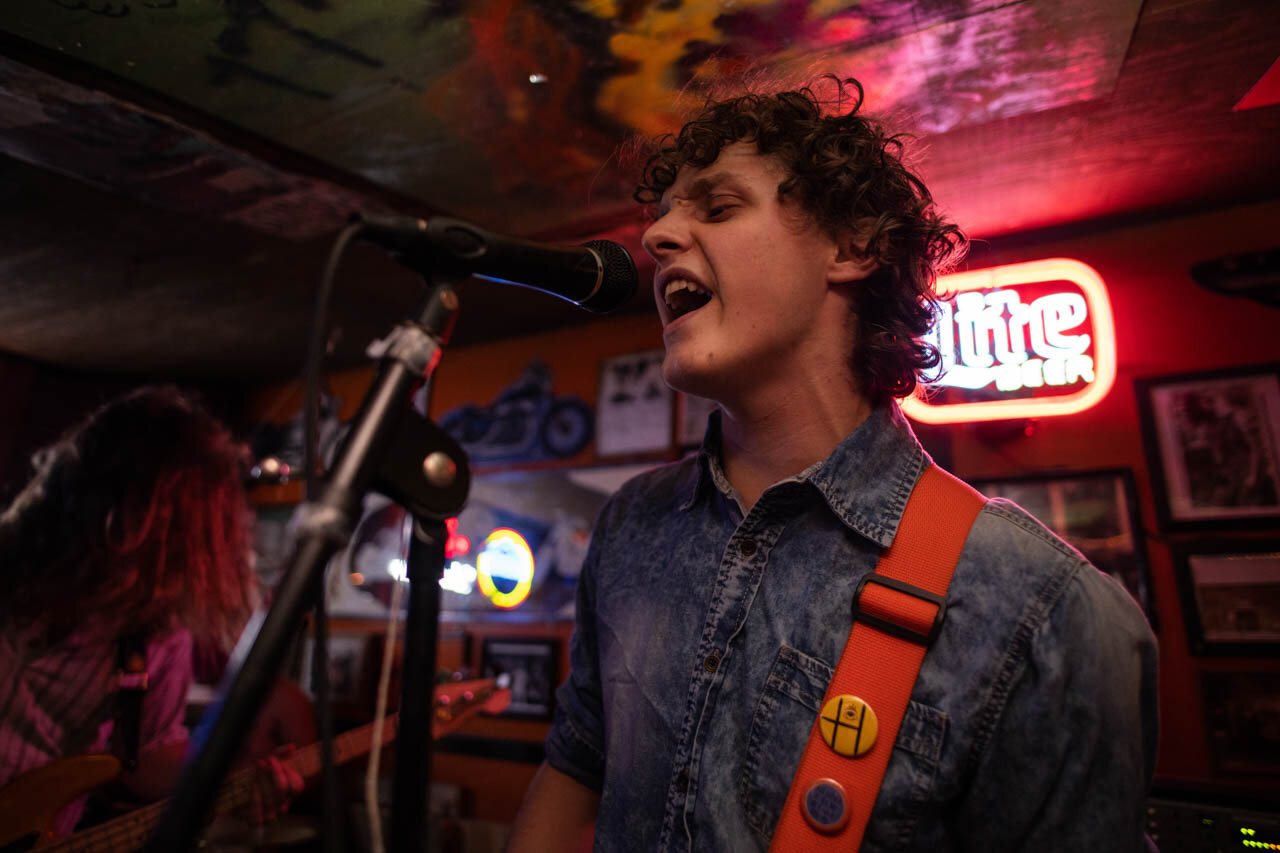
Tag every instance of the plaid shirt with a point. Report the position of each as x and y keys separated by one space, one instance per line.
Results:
x=61 y=702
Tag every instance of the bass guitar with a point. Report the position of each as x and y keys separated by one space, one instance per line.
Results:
x=29 y=804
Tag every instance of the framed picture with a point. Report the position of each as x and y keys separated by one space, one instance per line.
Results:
x=634 y=412
x=530 y=664
x=1097 y=512
x=1242 y=716
x=350 y=659
x=272 y=542
x=691 y=419
x=1213 y=447
x=1230 y=596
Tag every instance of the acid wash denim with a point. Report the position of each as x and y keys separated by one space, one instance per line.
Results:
x=705 y=640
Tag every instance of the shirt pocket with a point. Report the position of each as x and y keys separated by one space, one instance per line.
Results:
x=784 y=714
x=780 y=726
x=909 y=779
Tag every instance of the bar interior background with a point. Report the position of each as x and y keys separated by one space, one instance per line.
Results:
x=172 y=174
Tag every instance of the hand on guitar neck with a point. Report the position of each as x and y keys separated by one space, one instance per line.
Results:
x=276 y=784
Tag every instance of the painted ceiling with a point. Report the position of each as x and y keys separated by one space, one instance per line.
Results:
x=284 y=116
x=511 y=112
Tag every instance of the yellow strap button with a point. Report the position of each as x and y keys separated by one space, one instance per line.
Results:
x=848 y=725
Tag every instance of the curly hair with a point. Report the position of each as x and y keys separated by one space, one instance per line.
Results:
x=847 y=173
x=134 y=520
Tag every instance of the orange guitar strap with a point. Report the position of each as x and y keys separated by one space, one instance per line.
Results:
x=898 y=611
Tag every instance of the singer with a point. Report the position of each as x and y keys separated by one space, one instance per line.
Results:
x=723 y=694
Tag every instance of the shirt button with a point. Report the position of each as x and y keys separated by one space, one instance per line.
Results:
x=748 y=547
x=711 y=662
x=682 y=782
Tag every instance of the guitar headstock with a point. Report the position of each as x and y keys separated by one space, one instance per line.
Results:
x=458 y=701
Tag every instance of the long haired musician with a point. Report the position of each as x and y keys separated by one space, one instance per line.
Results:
x=132 y=536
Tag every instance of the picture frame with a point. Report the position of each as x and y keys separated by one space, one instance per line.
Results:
x=1096 y=511
x=272 y=541
x=691 y=419
x=1242 y=720
x=1212 y=440
x=531 y=666
x=1230 y=591
x=635 y=408
x=351 y=663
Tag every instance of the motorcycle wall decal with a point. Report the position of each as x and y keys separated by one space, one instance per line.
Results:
x=527 y=422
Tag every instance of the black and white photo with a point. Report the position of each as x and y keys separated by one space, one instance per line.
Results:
x=530 y=667
x=1213 y=442
x=1231 y=595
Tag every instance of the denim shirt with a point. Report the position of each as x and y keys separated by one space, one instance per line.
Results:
x=705 y=640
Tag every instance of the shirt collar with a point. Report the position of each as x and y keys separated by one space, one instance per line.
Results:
x=706 y=463
x=866 y=480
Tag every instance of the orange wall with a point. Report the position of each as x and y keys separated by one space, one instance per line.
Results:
x=1165 y=324
x=476 y=374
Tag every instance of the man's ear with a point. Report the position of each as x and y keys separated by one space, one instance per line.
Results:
x=850 y=261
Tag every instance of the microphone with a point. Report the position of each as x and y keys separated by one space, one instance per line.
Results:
x=598 y=275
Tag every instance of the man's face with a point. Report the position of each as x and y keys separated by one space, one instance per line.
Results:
x=742 y=281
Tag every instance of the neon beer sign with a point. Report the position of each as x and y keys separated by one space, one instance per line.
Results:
x=1019 y=341
x=504 y=568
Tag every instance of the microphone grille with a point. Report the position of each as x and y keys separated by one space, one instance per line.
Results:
x=620 y=278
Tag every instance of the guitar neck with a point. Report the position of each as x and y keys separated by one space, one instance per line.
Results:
x=131 y=831
x=347 y=746
x=237 y=792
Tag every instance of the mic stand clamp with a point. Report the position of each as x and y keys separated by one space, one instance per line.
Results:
x=325 y=522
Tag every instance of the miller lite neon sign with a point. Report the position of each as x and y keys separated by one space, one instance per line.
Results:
x=1020 y=341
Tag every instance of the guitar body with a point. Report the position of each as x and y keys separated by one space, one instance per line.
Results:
x=29 y=804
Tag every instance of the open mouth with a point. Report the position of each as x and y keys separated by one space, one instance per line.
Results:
x=683 y=296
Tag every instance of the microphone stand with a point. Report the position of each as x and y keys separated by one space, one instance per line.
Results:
x=407 y=457
x=412 y=782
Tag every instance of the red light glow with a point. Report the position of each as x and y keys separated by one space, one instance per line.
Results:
x=456 y=545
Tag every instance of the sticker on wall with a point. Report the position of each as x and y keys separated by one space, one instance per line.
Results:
x=1020 y=341
x=635 y=405
x=526 y=423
